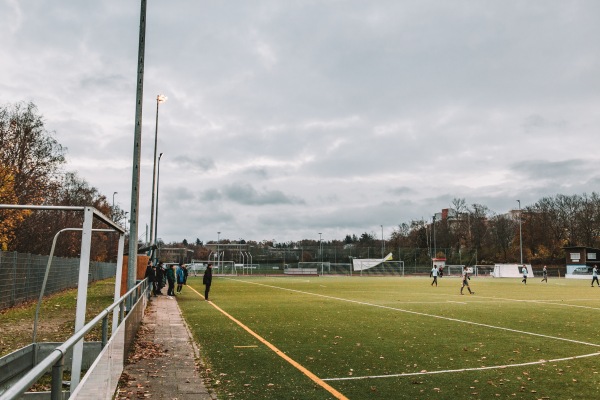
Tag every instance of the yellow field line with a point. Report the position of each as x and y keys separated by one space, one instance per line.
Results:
x=280 y=353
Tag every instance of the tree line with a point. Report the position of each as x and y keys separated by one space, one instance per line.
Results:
x=33 y=171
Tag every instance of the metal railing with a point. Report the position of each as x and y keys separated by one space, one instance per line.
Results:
x=55 y=360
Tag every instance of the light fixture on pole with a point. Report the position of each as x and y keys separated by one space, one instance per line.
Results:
x=159 y=99
x=520 y=233
x=156 y=219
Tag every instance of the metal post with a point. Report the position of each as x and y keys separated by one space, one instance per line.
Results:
x=156 y=219
x=137 y=142
x=84 y=266
x=382 y=245
x=122 y=311
x=434 y=243
x=104 y=331
x=321 y=252
x=520 y=233
x=57 y=378
x=112 y=211
x=118 y=280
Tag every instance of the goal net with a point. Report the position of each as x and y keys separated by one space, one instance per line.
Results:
x=511 y=270
x=453 y=270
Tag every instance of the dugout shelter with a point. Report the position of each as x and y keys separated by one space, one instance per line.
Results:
x=580 y=261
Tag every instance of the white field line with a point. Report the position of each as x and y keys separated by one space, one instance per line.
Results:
x=547 y=302
x=425 y=314
x=347 y=378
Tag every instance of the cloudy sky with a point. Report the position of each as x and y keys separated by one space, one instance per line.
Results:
x=289 y=118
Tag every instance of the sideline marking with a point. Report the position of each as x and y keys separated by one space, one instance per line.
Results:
x=548 y=302
x=348 y=378
x=423 y=314
x=280 y=353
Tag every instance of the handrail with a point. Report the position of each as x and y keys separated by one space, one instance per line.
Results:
x=58 y=353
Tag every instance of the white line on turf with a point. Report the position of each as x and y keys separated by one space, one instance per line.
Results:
x=347 y=378
x=425 y=314
x=548 y=302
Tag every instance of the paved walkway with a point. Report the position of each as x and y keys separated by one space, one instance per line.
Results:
x=168 y=369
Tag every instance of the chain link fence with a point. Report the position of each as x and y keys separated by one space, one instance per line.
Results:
x=22 y=275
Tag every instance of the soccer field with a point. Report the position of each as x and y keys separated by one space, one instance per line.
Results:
x=397 y=338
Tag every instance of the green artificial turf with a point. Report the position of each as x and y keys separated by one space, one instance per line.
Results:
x=378 y=328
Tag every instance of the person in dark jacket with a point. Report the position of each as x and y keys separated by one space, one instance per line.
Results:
x=151 y=275
x=171 y=280
x=185 y=274
x=160 y=276
x=207 y=280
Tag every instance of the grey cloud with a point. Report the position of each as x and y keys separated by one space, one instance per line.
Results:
x=199 y=163
x=552 y=170
x=211 y=195
x=244 y=193
x=401 y=190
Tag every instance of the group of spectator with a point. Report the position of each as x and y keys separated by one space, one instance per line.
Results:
x=159 y=277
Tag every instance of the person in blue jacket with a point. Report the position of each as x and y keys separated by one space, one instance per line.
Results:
x=180 y=277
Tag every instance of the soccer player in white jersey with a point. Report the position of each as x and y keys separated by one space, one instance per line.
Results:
x=434 y=273
x=595 y=276
x=465 y=281
x=524 y=275
x=545 y=274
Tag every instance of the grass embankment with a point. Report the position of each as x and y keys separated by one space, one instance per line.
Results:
x=56 y=319
x=396 y=338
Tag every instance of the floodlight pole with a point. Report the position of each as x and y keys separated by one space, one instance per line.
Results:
x=137 y=142
x=382 y=248
x=321 y=252
x=520 y=233
x=113 y=205
x=434 y=243
x=159 y=99
x=218 y=255
x=156 y=219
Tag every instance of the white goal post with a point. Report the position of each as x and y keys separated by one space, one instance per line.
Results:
x=511 y=270
x=453 y=270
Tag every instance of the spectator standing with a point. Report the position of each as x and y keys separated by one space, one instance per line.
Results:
x=151 y=276
x=207 y=280
x=180 y=277
x=171 y=280
x=185 y=274
x=160 y=278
